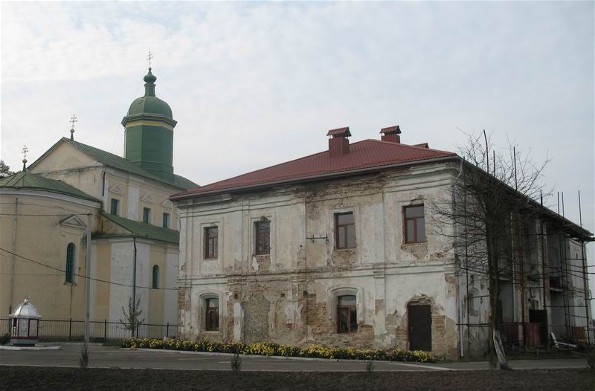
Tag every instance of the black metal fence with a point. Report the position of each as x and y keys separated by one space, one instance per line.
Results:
x=74 y=330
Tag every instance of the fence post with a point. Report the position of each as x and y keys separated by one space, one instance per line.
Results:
x=70 y=329
x=167 y=330
x=105 y=330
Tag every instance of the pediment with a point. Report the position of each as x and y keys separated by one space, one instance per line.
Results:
x=167 y=204
x=116 y=189
x=147 y=198
x=73 y=221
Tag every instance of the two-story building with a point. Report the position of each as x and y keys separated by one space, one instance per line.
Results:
x=340 y=248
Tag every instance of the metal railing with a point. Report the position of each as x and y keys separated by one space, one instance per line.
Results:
x=74 y=330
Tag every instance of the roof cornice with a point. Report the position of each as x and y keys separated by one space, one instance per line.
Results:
x=310 y=179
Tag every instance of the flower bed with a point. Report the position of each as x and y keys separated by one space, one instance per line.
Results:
x=272 y=349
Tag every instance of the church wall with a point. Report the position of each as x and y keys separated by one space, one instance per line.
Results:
x=113 y=261
x=156 y=296
x=121 y=263
x=101 y=269
x=134 y=194
x=122 y=272
x=112 y=256
x=40 y=237
x=71 y=166
x=170 y=312
x=133 y=211
x=63 y=158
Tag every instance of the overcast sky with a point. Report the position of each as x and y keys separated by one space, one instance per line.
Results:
x=255 y=84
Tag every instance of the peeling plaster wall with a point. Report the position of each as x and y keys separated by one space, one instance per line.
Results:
x=290 y=296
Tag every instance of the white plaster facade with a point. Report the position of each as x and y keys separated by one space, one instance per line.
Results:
x=409 y=294
x=305 y=273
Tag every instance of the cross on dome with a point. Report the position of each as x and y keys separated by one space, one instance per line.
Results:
x=73 y=120
x=25 y=150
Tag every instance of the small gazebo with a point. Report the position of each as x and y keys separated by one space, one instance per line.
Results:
x=24 y=324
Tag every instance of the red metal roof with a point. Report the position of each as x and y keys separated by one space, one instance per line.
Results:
x=362 y=156
x=340 y=132
x=391 y=129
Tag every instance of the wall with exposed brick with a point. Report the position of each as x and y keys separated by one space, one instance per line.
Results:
x=290 y=295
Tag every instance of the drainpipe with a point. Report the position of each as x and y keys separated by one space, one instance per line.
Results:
x=545 y=284
x=305 y=248
x=134 y=284
x=88 y=281
x=586 y=289
x=14 y=251
x=513 y=242
x=458 y=271
x=103 y=184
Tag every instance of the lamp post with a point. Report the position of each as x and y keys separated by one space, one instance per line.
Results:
x=88 y=282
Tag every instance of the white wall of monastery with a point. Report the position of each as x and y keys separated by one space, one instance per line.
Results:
x=290 y=295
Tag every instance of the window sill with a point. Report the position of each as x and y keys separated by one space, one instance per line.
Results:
x=410 y=243
x=415 y=247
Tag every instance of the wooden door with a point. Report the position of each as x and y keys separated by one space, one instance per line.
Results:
x=420 y=327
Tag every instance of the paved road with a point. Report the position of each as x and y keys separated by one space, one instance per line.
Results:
x=67 y=355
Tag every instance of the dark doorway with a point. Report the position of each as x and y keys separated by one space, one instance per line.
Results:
x=537 y=318
x=420 y=327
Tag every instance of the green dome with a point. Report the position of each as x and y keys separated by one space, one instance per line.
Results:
x=150 y=104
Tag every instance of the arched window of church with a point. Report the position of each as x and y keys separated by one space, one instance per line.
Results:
x=69 y=273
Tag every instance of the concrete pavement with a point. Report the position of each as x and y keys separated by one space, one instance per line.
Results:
x=100 y=356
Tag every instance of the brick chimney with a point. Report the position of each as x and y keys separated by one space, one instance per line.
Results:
x=338 y=144
x=391 y=134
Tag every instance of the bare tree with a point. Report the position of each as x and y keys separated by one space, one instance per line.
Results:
x=132 y=320
x=481 y=212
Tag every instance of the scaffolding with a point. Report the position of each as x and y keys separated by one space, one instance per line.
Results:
x=546 y=276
